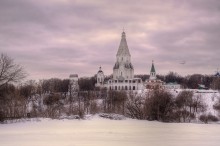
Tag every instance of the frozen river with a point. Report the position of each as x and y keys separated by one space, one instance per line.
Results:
x=103 y=132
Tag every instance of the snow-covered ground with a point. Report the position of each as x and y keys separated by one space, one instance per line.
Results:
x=105 y=132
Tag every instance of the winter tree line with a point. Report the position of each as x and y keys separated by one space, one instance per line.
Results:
x=51 y=98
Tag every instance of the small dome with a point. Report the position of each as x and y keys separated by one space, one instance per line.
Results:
x=128 y=65
x=217 y=74
x=100 y=70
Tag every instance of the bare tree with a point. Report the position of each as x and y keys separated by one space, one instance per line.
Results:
x=135 y=107
x=184 y=105
x=9 y=71
x=159 y=105
x=215 y=84
x=116 y=102
x=198 y=104
x=54 y=105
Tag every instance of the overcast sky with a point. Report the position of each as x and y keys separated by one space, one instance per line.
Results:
x=55 y=38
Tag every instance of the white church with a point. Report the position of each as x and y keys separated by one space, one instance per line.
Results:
x=123 y=73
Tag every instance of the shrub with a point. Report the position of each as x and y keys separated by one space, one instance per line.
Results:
x=81 y=114
x=212 y=118
x=206 y=118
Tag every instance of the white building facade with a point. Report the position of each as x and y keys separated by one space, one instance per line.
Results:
x=123 y=70
x=172 y=86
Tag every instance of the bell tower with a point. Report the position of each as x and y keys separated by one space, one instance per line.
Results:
x=153 y=72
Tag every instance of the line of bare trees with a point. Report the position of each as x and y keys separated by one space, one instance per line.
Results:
x=189 y=81
x=160 y=105
x=52 y=98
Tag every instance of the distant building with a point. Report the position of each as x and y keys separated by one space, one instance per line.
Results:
x=74 y=85
x=172 y=86
x=153 y=82
x=73 y=78
x=201 y=86
x=123 y=74
x=217 y=74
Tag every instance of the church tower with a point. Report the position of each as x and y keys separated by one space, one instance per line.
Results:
x=100 y=77
x=123 y=69
x=152 y=72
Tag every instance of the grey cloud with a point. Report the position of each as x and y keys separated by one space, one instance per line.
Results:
x=56 y=38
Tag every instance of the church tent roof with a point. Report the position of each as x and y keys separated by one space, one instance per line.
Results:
x=123 y=47
x=152 y=68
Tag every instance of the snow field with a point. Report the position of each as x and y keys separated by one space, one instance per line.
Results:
x=104 y=132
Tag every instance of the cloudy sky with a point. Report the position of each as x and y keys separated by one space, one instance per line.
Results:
x=54 y=38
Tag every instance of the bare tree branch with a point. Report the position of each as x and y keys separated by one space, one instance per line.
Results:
x=9 y=71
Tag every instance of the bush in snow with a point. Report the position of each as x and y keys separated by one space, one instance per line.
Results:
x=208 y=118
x=112 y=116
